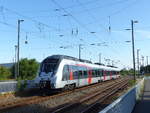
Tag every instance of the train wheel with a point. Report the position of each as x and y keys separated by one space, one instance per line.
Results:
x=71 y=86
x=65 y=88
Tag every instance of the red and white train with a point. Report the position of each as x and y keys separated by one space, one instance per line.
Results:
x=60 y=71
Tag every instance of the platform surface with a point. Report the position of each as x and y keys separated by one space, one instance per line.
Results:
x=143 y=106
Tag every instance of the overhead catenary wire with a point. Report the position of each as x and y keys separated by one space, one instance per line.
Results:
x=31 y=19
x=88 y=30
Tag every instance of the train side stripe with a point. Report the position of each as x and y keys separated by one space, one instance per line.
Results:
x=71 y=75
x=104 y=75
x=110 y=75
x=89 y=76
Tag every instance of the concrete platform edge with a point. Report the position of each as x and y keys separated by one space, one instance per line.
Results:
x=126 y=102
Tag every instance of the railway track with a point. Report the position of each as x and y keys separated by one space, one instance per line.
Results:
x=38 y=99
x=91 y=103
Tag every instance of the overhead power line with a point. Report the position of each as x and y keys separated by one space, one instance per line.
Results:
x=74 y=18
x=31 y=19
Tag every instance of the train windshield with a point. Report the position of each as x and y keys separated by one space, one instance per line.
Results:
x=49 y=65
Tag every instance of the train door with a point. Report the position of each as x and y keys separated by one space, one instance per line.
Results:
x=75 y=75
x=100 y=73
x=82 y=71
x=110 y=75
x=89 y=76
x=66 y=74
x=104 y=75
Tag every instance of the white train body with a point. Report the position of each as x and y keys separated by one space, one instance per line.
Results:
x=59 y=71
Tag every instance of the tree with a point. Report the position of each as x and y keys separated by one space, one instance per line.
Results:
x=27 y=68
x=5 y=73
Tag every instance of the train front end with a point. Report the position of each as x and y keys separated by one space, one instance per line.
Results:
x=46 y=78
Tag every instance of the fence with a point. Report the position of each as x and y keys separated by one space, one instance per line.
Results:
x=11 y=86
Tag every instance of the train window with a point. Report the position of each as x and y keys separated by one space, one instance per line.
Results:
x=93 y=73
x=115 y=73
x=49 y=65
x=101 y=72
x=85 y=73
x=96 y=73
x=75 y=72
x=112 y=72
x=65 y=73
x=80 y=73
x=89 y=72
x=107 y=73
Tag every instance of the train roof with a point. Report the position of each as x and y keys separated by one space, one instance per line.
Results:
x=81 y=60
x=69 y=57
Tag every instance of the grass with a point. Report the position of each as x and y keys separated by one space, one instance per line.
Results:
x=132 y=82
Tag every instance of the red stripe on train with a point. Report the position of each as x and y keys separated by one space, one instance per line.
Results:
x=110 y=75
x=71 y=75
x=82 y=65
x=104 y=75
x=89 y=76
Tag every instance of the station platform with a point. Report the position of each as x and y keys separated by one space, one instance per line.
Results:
x=143 y=105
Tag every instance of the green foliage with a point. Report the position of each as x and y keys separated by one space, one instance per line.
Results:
x=5 y=73
x=131 y=82
x=28 y=68
x=21 y=85
x=12 y=69
x=145 y=70
x=127 y=72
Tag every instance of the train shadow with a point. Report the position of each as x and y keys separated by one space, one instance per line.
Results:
x=41 y=108
x=35 y=92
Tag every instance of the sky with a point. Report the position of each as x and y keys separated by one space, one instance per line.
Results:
x=59 y=26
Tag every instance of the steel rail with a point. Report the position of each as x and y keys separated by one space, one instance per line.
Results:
x=75 y=103
x=37 y=99
x=96 y=105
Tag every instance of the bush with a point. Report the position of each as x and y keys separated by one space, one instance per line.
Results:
x=5 y=73
x=21 y=85
x=27 y=69
x=131 y=82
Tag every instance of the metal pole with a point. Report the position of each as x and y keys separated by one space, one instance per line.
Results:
x=112 y=62
x=143 y=61
x=138 y=61
x=147 y=64
x=79 y=51
x=15 y=62
x=147 y=60
x=132 y=22
x=18 y=55
x=100 y=58
x=18 y=48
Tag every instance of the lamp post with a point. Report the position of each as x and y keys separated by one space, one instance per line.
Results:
x=132 y=28
x=18 y=46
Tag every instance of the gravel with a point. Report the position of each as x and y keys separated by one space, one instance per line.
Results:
x=47 y=106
